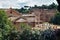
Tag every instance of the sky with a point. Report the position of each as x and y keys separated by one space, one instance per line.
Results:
x=21 y=3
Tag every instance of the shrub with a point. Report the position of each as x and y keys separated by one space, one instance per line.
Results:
x=30 y=35
x=5 y=26
x=48 y=35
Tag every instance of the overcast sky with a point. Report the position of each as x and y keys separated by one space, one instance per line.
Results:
x=21 y=3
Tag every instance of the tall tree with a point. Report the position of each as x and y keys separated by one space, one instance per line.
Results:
x=56 y=19
x=44 y=7
x=5 y=26
x=58 y=5
x=52 y=6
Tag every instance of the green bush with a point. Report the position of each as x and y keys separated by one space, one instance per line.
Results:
x=48 y=35
x=30 y=35
x=5 y=26
x=38 y=35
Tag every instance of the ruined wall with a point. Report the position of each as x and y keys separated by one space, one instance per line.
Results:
x=44 y=14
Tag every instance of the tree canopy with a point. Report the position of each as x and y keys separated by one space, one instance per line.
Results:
x=56 y=19
x=58 y=5
x=5 y=26
x=26 y=9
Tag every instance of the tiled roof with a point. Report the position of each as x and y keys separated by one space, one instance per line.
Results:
x=12 y=18
x=28 y=15
x=31 y=19
x=21 y=20
x=12 y=12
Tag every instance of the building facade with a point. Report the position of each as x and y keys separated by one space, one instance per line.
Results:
x=35 y=17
